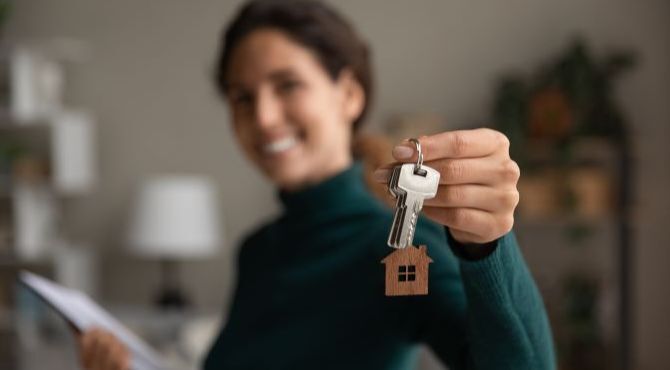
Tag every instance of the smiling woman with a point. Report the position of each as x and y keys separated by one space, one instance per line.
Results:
x=310 y=289
x=297 y=79
x=292 y=119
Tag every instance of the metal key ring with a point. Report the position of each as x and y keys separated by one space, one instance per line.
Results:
x=419 y=161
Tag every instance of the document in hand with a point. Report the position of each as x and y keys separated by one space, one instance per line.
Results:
x=83 y=313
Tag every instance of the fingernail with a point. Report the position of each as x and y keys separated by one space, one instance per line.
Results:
x=381 y=175
x=402 y=152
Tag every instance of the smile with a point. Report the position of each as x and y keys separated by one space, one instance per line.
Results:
x=280 y=145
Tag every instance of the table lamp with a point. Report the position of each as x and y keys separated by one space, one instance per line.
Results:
x=175 y=218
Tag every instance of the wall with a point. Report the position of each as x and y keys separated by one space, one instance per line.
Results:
x=147 y=82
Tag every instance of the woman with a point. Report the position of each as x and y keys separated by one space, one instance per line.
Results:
x=310 y=288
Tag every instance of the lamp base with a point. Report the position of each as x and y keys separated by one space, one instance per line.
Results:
x=172 y=299
x=170 y=296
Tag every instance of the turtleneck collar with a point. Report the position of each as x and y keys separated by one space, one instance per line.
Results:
x=335 y=192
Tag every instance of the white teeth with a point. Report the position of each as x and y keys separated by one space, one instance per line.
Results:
x=280 y=145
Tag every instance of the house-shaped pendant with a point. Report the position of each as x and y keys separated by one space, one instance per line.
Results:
x=407 y=271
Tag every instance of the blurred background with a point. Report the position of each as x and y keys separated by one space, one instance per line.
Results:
x=107 y=109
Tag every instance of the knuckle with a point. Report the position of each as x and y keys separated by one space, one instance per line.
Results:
x=510 y=171
x=454 y=170
x=502 y=140
x=453 y=195
x=506 y=224
x=509 y=199
x=460 y=144
x=462 y=217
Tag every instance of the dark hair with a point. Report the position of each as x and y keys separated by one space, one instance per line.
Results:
x=311 y=24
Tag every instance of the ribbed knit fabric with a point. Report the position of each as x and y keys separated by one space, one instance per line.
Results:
x=310 y=295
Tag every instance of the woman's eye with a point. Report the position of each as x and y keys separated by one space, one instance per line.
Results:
x=241 y=99
x=287 y=87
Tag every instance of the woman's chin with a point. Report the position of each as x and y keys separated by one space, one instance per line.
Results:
x=288 y=179
x=284 y=168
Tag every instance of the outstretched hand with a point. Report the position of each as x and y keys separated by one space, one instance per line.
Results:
x=478 y=192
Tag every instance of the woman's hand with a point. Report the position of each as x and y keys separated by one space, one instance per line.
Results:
x=101 y=350
x=477 y=193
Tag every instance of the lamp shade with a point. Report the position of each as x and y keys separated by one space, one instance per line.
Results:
x=175 y=217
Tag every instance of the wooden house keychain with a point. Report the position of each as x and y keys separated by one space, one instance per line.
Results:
x=407 y=266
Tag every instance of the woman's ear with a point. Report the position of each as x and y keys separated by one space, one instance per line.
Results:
x=353 y=95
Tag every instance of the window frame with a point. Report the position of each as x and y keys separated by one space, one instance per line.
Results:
x=406 y=273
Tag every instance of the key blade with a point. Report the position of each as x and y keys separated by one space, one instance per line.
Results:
x=393 y=181
x=396 y=227
x=413 y=206
x=416 y=188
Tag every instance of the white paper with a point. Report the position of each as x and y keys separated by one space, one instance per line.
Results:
x=84 y=314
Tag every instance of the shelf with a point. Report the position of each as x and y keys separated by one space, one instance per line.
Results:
x=14 y=262
x=22 y=127
x=9 y=122
x=9 y=191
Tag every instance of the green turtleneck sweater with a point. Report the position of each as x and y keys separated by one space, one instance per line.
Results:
x=310 y=295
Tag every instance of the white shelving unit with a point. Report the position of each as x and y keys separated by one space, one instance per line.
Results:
x=53 y=158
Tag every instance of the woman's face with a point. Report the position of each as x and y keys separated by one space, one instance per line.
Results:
x=291 y=119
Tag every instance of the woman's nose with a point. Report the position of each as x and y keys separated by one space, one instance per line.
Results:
x=268 y=110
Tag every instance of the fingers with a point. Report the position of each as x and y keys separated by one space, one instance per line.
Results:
x=101 y=350
x=100 y=353
x=117 y=355
x=106 y=352
x=474 y=196
x=454 y=144
x=479 y=226
x=86 y=348
x=477 y=193
x=467 y=171
x=475 y=171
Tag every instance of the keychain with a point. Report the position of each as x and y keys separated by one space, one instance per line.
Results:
x=407 y=266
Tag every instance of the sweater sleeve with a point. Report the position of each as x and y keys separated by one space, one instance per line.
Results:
x=484 y=314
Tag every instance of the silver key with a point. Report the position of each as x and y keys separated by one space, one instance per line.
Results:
x=411 y=190
x=393 y=182
x=399 y=216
